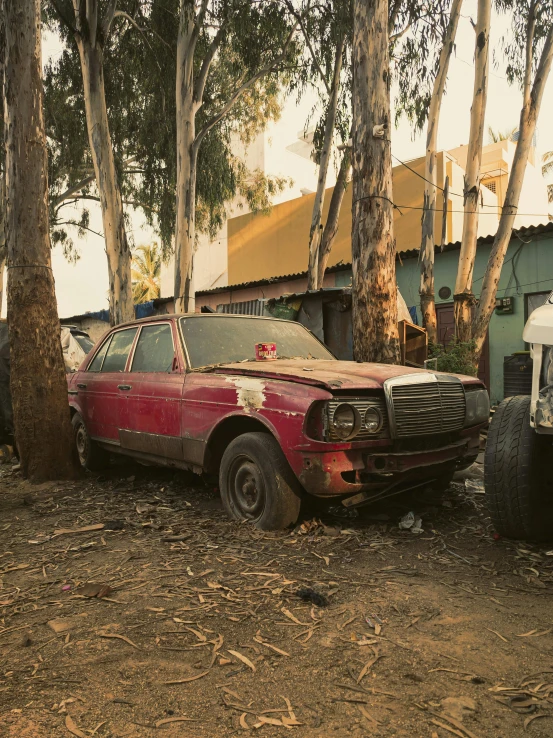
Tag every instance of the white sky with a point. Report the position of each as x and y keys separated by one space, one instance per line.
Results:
x=84 y=286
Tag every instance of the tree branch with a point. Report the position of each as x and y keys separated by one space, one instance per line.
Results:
x=399 y=34
x=70 y=191
x=529 y=51
x=240 y=91
x=299 y=19
x=199 y=87
x=108 y=20
x=64 y=20
x=77 y=225
x=200 y=18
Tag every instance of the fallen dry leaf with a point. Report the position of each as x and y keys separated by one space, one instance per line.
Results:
x=243 y=722
x=71 y=726
x=85 y=529
x=119 y=637
x=291 y=616
x=243 y=659
x=269 y=645
x=175 y=719
x=188 y=679
x=269 y=721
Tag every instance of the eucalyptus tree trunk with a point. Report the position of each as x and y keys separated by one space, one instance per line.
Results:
x=3 y=242
x=375 y=331
x=3 y=200
x=331 y=225
x=185 y=232
x=464 y=297
x=428 y=240
x=121 y=307
x=533 y=96
x=43 y=430
x=313 y=272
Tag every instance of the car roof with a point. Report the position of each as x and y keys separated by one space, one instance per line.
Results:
x=175 y=316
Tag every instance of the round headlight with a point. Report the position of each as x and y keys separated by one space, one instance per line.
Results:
x=346 y=421
x=373 y=420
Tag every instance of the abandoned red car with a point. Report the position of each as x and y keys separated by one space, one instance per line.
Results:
x=187 y=391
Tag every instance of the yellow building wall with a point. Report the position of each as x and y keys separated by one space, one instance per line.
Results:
x=264 y=246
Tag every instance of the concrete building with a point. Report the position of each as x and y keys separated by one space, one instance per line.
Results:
x=253 y=247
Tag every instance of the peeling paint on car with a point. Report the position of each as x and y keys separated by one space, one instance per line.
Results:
x=250 y=392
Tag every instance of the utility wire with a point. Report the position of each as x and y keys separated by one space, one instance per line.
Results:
x=440 y=210
x=484 y=205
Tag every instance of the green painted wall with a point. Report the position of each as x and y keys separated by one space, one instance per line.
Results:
x=534 y=269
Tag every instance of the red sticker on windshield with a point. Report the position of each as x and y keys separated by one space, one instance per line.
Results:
x=265 y=351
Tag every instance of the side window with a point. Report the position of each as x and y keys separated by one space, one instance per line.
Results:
x=118 y=351
x=96 y=363
x=154 y=351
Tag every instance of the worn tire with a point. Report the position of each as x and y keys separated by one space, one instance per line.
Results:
x=518 y=479
x=91 y=456
x=257 y=483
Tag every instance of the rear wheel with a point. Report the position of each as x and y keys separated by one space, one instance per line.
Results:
x=518 y=476
x=257 y=483
x=91 y=456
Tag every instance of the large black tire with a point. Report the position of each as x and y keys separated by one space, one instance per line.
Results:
x=518 y=476
x=257 y=483
x=91 y=456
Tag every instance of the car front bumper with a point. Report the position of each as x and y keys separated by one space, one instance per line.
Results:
x=352 y=471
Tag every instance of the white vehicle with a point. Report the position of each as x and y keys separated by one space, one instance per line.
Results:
x=518 y=468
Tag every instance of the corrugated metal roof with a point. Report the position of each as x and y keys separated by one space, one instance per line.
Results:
x=405 y=254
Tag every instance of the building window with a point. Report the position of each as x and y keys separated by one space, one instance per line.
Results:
x=534 y=300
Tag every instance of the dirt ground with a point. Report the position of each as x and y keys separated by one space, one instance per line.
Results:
x=202 y=632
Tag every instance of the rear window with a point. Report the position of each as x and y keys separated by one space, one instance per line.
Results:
x=154 y=350
x=225 y=340
x=118 y=352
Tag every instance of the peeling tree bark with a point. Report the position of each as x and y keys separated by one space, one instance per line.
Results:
x=533 y=96
x=43 y=430
x=375 y=331
x=315 y=232
x=464 y=298
x=90 y=35
x=331 y=225
x=428 y=240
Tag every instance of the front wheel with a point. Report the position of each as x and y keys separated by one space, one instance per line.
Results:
x=518 y=476
x=257 y=483
x=91 y=456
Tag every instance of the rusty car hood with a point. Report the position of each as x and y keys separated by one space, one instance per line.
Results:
x=333 y=375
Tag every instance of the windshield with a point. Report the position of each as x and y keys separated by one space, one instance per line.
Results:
x=226 y=340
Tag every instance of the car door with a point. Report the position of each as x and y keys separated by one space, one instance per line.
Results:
x=154 y=401
x=104 y=386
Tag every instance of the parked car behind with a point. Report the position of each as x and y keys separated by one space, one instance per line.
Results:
x=187 y=391
x=75 y=346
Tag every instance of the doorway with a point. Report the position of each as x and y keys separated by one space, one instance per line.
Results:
x=446 y=332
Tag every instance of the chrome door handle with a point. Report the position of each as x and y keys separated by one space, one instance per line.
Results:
x=124 y=387
x=81 y=385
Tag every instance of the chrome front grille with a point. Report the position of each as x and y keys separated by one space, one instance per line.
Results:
x=436 y=405
x=361 y=406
